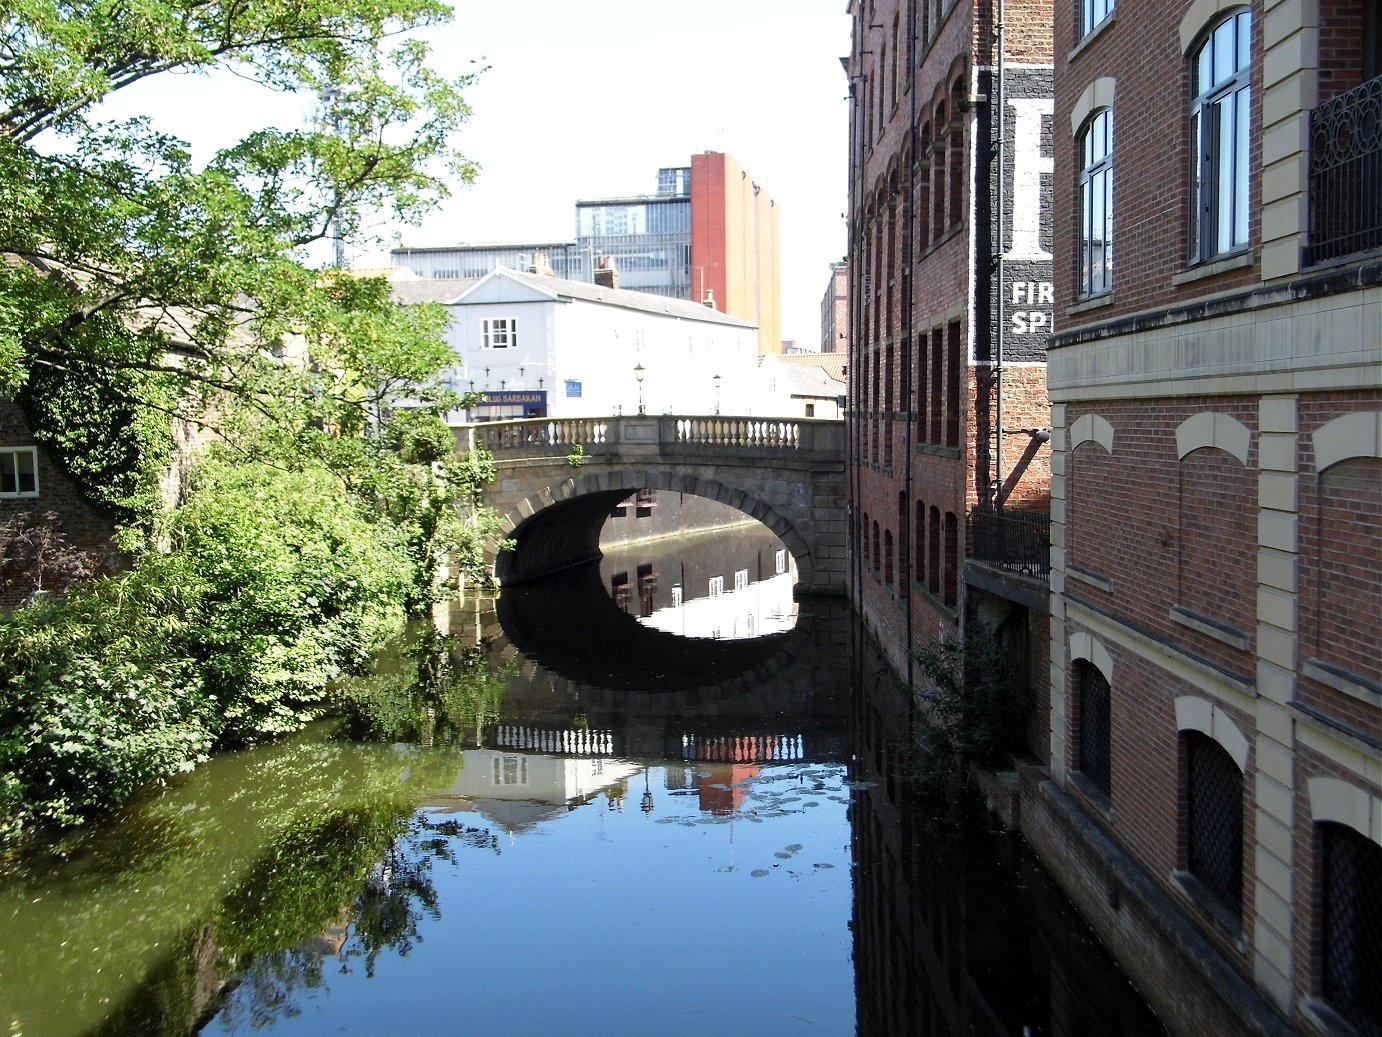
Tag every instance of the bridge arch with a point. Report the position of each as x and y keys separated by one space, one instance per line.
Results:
x=559 y=526
x=558 y=480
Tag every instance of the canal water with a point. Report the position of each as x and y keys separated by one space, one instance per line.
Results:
x=558 y=814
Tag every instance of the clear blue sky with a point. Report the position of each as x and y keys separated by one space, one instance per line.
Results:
x=589 y=100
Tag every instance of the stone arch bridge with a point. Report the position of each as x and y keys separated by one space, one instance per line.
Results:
x=559 y=478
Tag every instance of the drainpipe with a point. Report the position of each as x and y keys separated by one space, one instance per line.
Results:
x=908 y=331
x=1002 y=146
x=854 y=452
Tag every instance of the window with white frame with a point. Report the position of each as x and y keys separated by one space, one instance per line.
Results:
x=741 y=579
x=1219 y=124
x=1093 y=13
x=1096 y=204
x=18 y=471
x=716 y=586
x=500 y=333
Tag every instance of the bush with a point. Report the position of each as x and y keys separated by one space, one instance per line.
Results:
x=972 y=712
x=274 y=584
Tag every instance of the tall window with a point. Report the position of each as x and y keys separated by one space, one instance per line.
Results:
x=1096 y=205
x=1095 y=707
x=1352 y=937
x=18 y=472
x=1219 y=121
x=1093 y=13
x=1214 y=820
x=501 y=333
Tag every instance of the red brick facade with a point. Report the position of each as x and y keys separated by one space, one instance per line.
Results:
x=1217 y=487
x=928 y=397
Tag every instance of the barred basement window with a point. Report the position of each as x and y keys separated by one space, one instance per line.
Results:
x=1352 y=951
x=1096 y=711
x=1214 y=820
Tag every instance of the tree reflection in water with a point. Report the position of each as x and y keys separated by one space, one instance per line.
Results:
x=397 y=893
x=431 y=688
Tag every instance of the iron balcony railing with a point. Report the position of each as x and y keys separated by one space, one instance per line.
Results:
x=1346 y=174
x=1014 y=541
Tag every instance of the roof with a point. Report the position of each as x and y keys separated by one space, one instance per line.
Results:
x=431 y=289
x=626 y=298
x=484 y=246
x=803 y=379
x=833 y=364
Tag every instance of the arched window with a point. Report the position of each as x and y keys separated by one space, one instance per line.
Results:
x=1214 y=820
x=919 y=540
x=877 y=553
x=1096 y=204
x=951 y=584
x=1219 y=122
x=888 y=557
x=922 y=202
x=1095 y=709
x=933 y=551
x=956 y=172
x=940 y=167
x=1351 y=945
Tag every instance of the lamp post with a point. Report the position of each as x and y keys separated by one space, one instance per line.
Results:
x=716 y=380
x=638 y=373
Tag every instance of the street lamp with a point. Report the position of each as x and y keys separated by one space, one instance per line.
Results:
x=716 y=380
x=638 y=373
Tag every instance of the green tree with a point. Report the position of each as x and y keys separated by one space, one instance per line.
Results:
x=136 y=282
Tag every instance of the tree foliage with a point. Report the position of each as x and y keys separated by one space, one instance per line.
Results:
x=973 y=709
x=181 y=289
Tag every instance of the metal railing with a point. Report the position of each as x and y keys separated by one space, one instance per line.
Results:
x=1014 y=541
x=1346 y=174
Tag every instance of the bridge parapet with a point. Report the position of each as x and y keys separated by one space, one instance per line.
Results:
x=560 y=477
x=671 y=435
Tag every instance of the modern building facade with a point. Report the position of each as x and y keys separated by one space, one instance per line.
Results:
x=1216 y=388
x=710 y=234
x=950 y=303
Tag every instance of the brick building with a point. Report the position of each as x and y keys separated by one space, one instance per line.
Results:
x=835 y=311
x=950 y=308
x=1216 y=390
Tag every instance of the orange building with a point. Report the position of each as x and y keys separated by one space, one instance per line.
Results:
x=735 y=261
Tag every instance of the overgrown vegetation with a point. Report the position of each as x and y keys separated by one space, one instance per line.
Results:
x=973 y=712
x=145 y=298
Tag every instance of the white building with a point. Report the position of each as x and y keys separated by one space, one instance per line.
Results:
x=537 y=345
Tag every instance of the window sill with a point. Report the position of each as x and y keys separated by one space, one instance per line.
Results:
x=1351 y=684
x=1214 y=267
x=1092 y=795
x=926 y=594
x=950 y=232
x=1221 y=632
x=1103 y=583
x=1092 y=35
x=1093 y=302
x=1210 y=908
x=1325 y=1019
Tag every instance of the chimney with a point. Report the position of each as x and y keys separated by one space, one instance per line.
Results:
x=542 y=264
x=606 y=274
x=709 y=299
